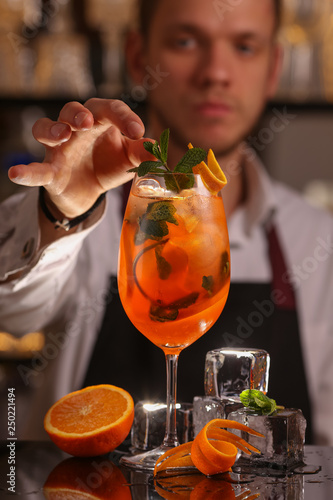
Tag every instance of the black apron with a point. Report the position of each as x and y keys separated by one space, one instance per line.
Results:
x=255 y=316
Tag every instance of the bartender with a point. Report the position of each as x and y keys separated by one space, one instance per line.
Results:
x=208 y=73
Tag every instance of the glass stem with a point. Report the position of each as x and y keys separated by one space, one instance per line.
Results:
x=170 y=438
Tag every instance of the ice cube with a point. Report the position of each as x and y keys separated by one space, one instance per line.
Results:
x=230 y=371
x=206 y=408
x=148 y=428
x=148 y=187
x=283 y=444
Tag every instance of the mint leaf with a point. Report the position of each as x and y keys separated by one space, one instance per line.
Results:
x=162 y=314
x=191 y=158
x=153 y=223
x=177 y=184
x=157 y=152
x=258 y=401
x=164 y=268
x=164 y=143
x=154 y=149
x=225 y=266
x=160 y=150
x=169 y=312
x=208 y=283
x=162 y=211
x=152 y=229
x=149 y=146
x=147 y=166
x=184 y=302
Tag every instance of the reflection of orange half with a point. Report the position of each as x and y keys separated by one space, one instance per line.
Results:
x=86 y=479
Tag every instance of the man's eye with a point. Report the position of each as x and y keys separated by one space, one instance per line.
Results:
x=245 y=48
x=185 y=43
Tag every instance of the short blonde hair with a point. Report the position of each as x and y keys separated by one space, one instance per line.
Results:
x=147 y=9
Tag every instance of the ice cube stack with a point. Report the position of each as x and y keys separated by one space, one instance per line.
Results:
x=227 y=373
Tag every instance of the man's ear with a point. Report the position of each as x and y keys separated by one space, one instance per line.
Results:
x=134 y=53
x=275 y=70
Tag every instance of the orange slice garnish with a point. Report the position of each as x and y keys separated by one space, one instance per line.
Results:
x=211 y=173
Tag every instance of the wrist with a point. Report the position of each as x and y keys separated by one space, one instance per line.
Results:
x=55 y=216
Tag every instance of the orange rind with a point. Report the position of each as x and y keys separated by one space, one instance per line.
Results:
x=213 y=451
x=211 y=173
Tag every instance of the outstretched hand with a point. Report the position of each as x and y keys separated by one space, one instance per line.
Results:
x=88 y=151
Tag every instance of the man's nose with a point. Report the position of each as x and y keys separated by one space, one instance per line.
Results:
x=216 y=64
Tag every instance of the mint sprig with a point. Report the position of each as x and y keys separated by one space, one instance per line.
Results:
x=185 y=166
x=258 y=401
x=153 y=223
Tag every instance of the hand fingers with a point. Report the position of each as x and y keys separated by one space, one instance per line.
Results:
x=116 y=112
x=77 y=116
x=33 y=174
x=73 y=117
x=136 y=152
x=50 y=133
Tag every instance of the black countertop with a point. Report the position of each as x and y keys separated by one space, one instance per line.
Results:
x=31 y=470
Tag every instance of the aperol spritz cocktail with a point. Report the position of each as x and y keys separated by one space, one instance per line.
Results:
x=174 y=270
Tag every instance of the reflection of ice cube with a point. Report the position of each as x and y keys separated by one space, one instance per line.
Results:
x=284 y=486
x=230 y=371
x=149 y=424
x=207 y=408
x=283 y=444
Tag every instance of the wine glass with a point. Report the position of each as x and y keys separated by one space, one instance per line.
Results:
x=174 y=273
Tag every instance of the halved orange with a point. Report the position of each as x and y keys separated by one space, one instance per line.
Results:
x=92 y=421
x=79 y=478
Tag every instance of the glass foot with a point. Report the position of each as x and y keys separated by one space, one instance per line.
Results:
x=145 y=461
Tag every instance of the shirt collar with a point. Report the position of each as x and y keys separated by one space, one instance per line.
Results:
x=260 y=203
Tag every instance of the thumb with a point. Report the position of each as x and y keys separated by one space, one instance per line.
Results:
x=33 y=174
x=137 y=153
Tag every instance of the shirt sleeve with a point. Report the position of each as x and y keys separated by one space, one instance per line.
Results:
x=46 y=277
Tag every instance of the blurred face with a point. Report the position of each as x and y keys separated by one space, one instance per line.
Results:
x=215 y=65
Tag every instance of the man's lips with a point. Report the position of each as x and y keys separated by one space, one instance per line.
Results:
x=213 y=109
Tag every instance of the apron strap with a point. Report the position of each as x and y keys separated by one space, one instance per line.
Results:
x=279 y=270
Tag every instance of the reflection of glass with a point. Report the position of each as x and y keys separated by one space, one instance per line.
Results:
x=174 y=273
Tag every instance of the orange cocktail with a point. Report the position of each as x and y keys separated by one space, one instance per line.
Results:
x=174 y=272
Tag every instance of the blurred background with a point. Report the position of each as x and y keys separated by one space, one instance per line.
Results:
x=53 y=51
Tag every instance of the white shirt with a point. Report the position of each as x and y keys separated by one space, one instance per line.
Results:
x=63 y=291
